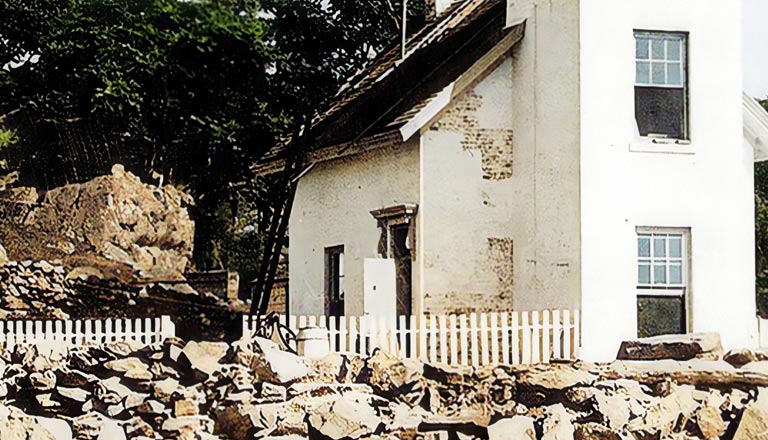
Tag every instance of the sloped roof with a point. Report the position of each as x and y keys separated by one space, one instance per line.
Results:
x=756 y=127
x=393 y=89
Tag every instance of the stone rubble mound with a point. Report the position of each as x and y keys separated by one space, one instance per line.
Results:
x=253 y=390
x=35 y=289
x=48 y=290
x=113 y=225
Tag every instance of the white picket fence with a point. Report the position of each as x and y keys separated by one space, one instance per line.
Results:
x=762 y=331
x=53 y=335
x=472 y=339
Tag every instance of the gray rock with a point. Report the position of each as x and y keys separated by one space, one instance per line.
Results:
x=676 y=347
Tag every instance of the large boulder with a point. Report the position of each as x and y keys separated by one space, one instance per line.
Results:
x=202 y=358
x=676 y=347
x=272 y=364
x=351 y=416
x=386 y=373
x=754 y=421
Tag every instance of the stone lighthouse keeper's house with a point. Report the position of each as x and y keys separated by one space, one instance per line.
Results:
x=541 y=154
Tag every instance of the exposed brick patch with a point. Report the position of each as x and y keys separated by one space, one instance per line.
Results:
x=500 y=254
x=460 y=117
x=495 y=144
x=501 y=262
x=462 y=303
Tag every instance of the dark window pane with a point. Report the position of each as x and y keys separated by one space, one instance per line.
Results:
x=660 y=315
x=660 y=111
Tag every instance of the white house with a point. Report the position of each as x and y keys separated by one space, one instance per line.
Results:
x=542 y=154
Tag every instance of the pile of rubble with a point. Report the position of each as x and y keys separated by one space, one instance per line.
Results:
x=252 y=389
x=47 y=290
x=114 y=225
x=34 y=289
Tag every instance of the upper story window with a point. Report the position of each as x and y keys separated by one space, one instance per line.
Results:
x=661 y=84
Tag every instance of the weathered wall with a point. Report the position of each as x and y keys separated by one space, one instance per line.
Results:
x=628 y=182
x=499 y=214
x=332 y=207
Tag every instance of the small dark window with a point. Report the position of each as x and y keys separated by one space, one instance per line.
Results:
x=661 y=85
x=334 y=281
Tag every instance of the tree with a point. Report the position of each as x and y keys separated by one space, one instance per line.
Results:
x=194 y=91
x=761 y=232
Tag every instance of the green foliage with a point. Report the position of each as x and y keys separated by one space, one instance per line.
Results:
x=195 y=90
x=761 y=232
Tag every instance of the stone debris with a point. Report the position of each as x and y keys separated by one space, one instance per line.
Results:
x=48 y=290
x=113 y=225
x=676 y=347
x=249 y=389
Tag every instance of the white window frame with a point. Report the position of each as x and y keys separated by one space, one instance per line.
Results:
x=667 y=288
x=682 y=58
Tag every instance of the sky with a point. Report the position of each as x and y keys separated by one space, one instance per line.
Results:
x=756 y=48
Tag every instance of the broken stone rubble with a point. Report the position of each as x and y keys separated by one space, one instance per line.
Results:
x=214 y=390
x=112 y=226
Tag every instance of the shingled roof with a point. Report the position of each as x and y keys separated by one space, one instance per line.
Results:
x=393 y=89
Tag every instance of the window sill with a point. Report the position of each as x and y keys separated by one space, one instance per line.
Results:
x=674 y=291
x=663 y=146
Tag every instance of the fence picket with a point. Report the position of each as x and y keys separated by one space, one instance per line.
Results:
x=567 y=335
x=545 y=333
x=342 y=334
x=576 y=333
x=515 y=338
x=464 y=339
x=494 y=338
x=556 y=335
x=535 y=337
x=454 y=349
x=443 y=341
x=432 y=338
x=354 y=345
x=504 y=318
x=526 y=339
x=413 y=337
x=484 y=354
x=422 y=348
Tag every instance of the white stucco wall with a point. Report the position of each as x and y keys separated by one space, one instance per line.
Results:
x=475 y=203
x=332 y=207
x=707 y=189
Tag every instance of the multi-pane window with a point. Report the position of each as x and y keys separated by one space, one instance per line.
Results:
x=660 y=260
x=660 y=84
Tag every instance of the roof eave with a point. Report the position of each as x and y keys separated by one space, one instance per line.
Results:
x=756 y=127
